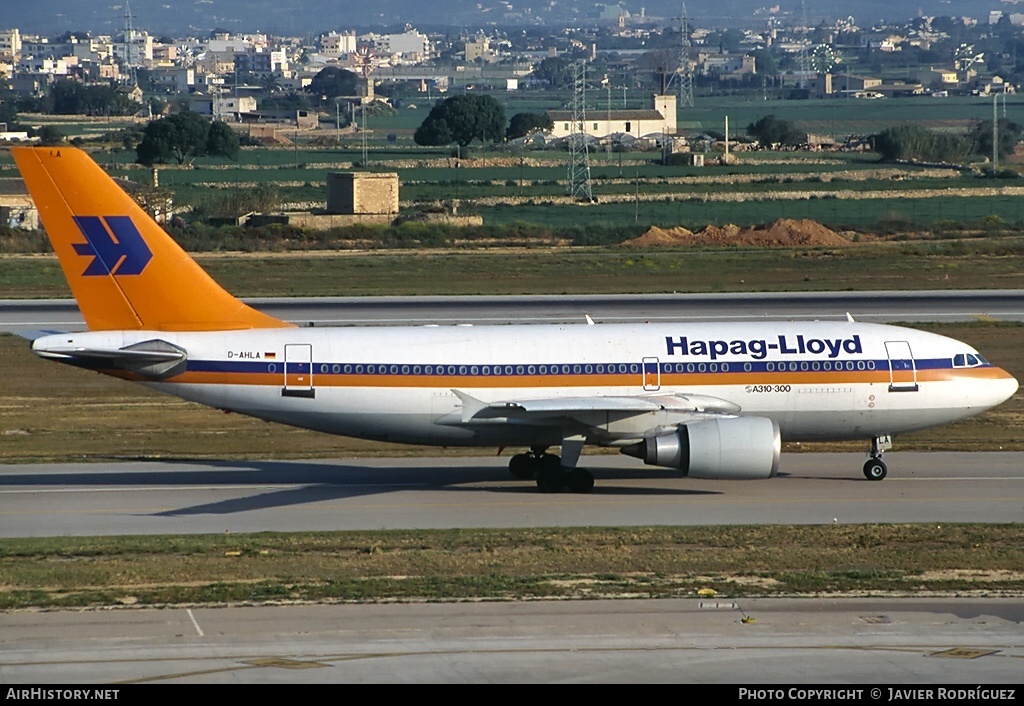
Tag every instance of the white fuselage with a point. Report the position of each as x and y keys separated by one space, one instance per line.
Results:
x=816 y=380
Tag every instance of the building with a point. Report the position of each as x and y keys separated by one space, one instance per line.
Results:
x=261 y=63
x=726 y=65
x=660 y=119
x=334 y=44
x=140 y=44
x=226 y=108
x=362 y=193
x=936 y=78
x=856 y=84
x=408 y=46
x=173 y=79
x=10 y=44
x=480 y=48
x=16 y=207
x=820 y=86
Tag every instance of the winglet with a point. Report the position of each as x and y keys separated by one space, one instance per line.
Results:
x=124 y=270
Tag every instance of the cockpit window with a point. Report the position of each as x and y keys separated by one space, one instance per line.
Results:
x=968 y=360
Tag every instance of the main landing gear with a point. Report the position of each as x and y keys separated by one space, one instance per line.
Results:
x=551 y=475
x=875 y=469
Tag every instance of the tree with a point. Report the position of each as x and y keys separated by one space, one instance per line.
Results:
x=48 y=135
x=69 y=97
x=765 y=62
x=271 y=83
x=980 y=136
x=462 y=119
x=222 y=140
x=770 y=131
x=660 y=64
x=555 y=71
x=183 y=137
x=915 y=143
x=522 y=124
x=8 y=109
x=332 y=82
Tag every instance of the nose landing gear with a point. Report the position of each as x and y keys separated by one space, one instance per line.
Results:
x=875 y=469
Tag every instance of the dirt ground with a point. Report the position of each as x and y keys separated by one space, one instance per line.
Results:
x=781 y=233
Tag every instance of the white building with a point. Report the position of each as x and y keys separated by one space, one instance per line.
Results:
x=334 y=44
x=141 y=47
x=659 y=120
x=173 y=79
x=47 y=66
x=409 y=46
x=227 y=108
x=10 y=44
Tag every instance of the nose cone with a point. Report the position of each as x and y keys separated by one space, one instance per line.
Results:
x=1002 y=387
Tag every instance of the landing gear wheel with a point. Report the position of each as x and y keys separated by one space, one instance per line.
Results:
x=579 y=480
x=875 y=469
x=550 y=478
x=548 y=461
x=522 y=467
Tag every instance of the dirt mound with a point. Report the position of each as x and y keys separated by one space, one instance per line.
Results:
x=657 y=236
x=782 y=233
x=802 y=232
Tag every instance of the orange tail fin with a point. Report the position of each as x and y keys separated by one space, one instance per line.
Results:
x=123 y=269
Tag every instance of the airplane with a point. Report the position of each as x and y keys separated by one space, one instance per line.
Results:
x=711 y=400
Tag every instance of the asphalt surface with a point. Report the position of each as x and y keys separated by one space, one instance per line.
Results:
x=849 y=644
x=852 y=643
x=886 y=306
x=153 y=497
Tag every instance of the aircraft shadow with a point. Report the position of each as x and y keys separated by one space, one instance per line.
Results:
x=306 y=482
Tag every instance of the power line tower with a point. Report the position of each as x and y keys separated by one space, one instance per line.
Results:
x=579 y=157
x=130 y=59
x=805 y=57
x=684 y=74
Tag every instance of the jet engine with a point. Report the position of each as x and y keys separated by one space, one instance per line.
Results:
x=741 y=448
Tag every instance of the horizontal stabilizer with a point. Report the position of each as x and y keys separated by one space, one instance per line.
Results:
x=153 y=358
x=121 y=355
x=36 y=333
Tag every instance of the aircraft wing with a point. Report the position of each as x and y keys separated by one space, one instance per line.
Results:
x=624 y=406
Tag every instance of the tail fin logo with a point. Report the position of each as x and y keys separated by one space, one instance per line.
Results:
x=115 y=245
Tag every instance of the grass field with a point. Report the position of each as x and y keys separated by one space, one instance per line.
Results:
x=796 y=185
x=641 y=562
x=974 y=263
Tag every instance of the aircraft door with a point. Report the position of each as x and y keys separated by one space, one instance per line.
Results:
x=298 y=370
x=652 y=374
x=902 y=369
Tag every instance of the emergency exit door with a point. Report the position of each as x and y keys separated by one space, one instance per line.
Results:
x=298 y=370
x=652 y=374
x=902 y=368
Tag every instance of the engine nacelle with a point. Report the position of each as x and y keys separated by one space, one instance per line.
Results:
x=725 y=448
